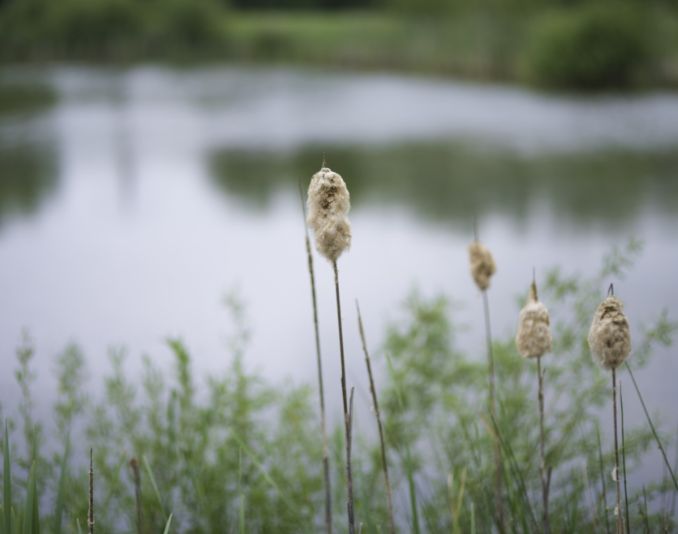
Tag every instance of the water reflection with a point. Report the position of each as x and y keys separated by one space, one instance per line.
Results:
x=456 y=181
x=28 y=177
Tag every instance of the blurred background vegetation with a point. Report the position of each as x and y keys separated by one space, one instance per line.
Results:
x=558 y=43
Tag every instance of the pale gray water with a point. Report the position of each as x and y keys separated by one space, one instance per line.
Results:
x=117 y=227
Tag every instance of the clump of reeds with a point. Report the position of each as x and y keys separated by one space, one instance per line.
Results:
x=328 y=206
x=533 y=340
x=610 y=343
x=483 y=268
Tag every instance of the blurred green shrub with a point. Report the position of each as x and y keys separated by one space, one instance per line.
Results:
x=86 y=27
x=185 y=24
x=589 y=47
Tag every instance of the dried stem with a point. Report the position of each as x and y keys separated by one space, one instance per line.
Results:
x=626 y=492
x=321 y=386
x=347 y=418
x=134 y=465
x=654 y=430
x=373 y=391
x=618 y=512
x=90 y=512
x=498 y=474
x=545 y=473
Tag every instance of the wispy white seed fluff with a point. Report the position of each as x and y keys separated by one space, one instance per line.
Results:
x=328 y=204
x=609 y=336
x=482 y=265
x=534 y=332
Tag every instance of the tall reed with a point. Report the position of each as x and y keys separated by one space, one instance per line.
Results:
x=610 y=342
x=382 y=441
x=321 y=385
x=482 y=269
x=328 y=203
x=533 y=340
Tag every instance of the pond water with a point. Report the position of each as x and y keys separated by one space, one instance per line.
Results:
x=132 y=205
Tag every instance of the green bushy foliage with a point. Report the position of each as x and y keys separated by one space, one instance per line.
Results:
x=589 y=47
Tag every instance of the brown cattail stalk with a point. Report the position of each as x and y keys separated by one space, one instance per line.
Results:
x=328 y=204
x=533 y=340
x=90 y=512
x=382 y=442
x=482 y=269
x=610 y=343
x=136 y=478
x=321 y=386
x=626 y=491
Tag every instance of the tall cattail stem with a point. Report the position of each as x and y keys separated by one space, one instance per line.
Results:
x=344 y=398
x=492 y=407
x=545 y=473
x=382 y=441
x=626 y=491
x=90 y=512
x=321 y=386
x=618 y=511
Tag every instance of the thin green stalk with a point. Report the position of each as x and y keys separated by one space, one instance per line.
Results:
x=515 y=469
x=136 y=479
x=413 y=493
x=344 y=398
x=31 y=523
x=652 y=427
x=626 y=492
x=375 y=401
x=59 y=504
x=154 y=484
x=618 y=511
x=321 y=386
x=90 y=512
x=168 y=524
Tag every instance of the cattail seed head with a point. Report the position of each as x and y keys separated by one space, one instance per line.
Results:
x=534 y=333
x=328 y=203
x=609 y=336
x=482 y=265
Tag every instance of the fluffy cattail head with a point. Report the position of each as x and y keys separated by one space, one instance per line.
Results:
x=328 y=203
x=482 y=265
x=609 y=336
x=534 y=333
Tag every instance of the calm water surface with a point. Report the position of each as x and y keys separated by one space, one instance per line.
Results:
x=136 y=202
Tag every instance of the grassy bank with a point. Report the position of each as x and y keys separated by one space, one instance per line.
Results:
x=580 y=47
x=235 y=450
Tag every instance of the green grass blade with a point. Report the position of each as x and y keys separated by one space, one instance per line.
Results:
x=29 y=528
x=7 y=485
x=413 y=493
x=154 y=484
x=652 y=427
x=61 y=490
x=168 y=524
x=77 y=524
